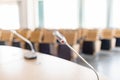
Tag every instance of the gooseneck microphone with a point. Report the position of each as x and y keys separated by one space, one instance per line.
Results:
x=63 y=40
x=29 y=55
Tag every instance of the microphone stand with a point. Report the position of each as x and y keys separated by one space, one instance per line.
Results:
x=84 y=60
x=63 y=40
x=30 y=55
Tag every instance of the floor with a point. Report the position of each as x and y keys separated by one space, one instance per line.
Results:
x=105 y=62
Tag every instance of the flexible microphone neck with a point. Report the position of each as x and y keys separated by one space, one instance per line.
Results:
x=31 y=55
x=62 y=40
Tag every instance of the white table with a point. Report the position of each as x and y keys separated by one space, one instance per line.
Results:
x=13 y=66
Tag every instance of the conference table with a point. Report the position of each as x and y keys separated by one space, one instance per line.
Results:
x=13 y=66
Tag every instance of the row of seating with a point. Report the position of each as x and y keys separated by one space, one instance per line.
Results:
x=87 y=41
x=97 y=40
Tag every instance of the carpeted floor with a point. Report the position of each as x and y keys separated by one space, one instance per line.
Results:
x=105 y=62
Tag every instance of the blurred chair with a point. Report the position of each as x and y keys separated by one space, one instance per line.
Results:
x=117 y=37
x=6 y=37
x=18 y=42
x=63 y=51
x=91 y=44
x=0 y=34
x=48 y=43
x=35 y=38
x=107 y=39
x=82 y=33
x=79 y=35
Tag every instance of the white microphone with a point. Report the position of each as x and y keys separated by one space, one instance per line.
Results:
x=63 y=40
x=29 y=55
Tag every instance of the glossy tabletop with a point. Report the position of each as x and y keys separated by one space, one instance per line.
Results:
x=13 y=66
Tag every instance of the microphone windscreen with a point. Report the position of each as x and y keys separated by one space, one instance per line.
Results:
x=59 y=36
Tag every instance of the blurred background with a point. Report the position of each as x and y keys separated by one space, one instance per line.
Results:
x=91 y=27
x=56 y=14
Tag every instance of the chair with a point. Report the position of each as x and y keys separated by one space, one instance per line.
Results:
x=48 y=42
x=107 y=39
x=81 y=36
x=117 y=37
x=6 y=37
x=35 y=38
x=18 y=42
x=64 y=51
x=0 y=33
x=91 y=44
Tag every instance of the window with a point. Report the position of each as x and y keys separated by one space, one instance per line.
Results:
x=9 y=16
x=95 y=14
x=115 y=15
x=41 y=14
x=61 y=14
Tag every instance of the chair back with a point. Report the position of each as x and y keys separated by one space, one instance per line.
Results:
x=92 y=35
x=0 y=33
x=71 y=36
x=36 y=36
x=117 y=33
x=6 y=35
x=79 y=33
x=48 y=36
x=107 y=34
x=25 y=33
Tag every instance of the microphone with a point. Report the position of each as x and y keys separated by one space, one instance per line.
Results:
x=59 y=37
x=29 y=55
x=63 y=40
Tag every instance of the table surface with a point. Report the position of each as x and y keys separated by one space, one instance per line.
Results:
x=13 y=66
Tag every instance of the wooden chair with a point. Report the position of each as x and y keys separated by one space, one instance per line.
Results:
x=107 y=39
x=81 y=36
x=48 y=43
x=117 y=37
x=6 y=37
x=35 y=38
x=91 y=44
x=63 y=50
x=0 y=33
x=18 y=42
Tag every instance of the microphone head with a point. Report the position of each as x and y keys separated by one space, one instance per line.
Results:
x=59 y=37
x=30 y=55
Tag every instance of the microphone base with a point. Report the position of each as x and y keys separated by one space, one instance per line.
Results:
x=30 y=55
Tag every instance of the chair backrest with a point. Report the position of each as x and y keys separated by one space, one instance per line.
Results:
x=107 y=34
x=15 y=36
x=0 y=33
x=25 y=33
x=83 y=32
x=6 y=35
x=36 y=36
x=79 y=33
x=92 y=35
x=48 y=36
x=70 y=35
x=117 y=33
